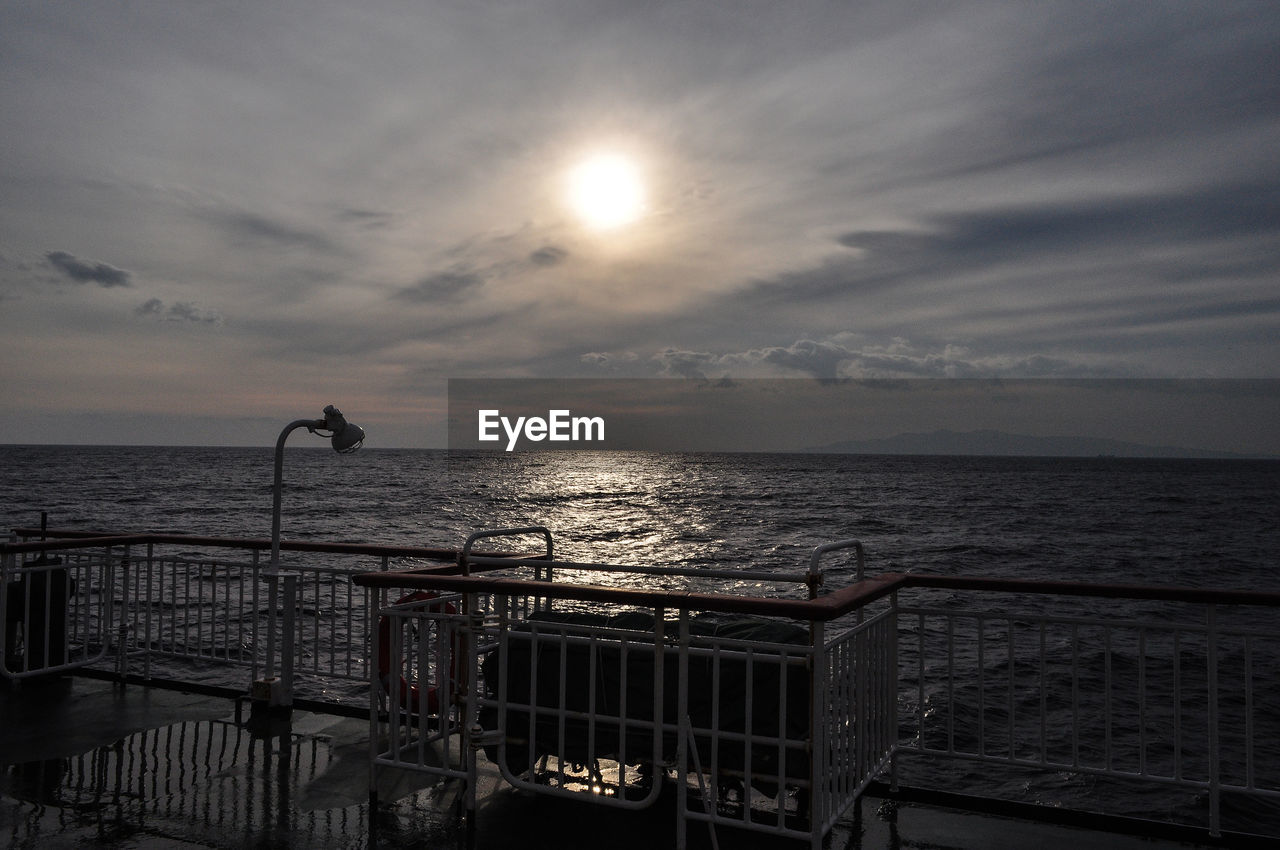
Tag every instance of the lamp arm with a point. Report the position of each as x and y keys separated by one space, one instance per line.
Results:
x=277 y=486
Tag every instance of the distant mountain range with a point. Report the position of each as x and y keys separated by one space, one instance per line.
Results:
x=988 y=442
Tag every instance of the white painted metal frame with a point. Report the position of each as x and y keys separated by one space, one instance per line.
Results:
x=60 y=613
x=768 y=771
x=1146 y=698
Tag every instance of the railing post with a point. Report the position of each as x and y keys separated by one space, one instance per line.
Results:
x=269 y=663
x=255 y=632
x=287 y=652
x=820 y=761
x=683 y=728
x=372 y=607
x=8 y=563
x=122 y=630
x=150 y=609
x=469 y=722
x=891 y=698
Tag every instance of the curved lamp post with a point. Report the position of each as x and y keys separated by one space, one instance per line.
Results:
x=345 y=437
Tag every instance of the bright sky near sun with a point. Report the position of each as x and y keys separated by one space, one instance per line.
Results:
x=606 y=191
x=217 y=218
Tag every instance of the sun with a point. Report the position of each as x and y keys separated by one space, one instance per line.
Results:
x=606 y=191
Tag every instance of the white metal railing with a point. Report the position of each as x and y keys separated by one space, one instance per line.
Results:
x=165 y=605
x=970 y=684
x=56 y=612
x=1186 y=696
x=1008 y=690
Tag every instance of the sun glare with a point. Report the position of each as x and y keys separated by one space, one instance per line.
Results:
x=606 y=191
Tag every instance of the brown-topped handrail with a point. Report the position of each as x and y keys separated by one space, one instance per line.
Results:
x=64 y=539
x=833 y=605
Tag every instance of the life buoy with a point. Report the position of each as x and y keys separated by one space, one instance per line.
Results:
x=411 y=695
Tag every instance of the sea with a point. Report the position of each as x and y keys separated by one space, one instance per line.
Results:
x=1199 y=523
x=1190 y=522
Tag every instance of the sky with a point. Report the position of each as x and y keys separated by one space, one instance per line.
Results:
x=218 y=217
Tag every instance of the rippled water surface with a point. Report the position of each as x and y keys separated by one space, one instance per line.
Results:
x=1194 y=522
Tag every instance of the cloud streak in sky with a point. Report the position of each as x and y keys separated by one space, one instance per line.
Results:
x=80 y=271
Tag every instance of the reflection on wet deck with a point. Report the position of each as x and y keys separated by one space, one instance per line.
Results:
x=95 y=762
x=91 y=763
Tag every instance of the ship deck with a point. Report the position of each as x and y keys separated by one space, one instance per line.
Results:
x=91 y=762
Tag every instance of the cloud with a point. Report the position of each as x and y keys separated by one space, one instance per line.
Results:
x=956 y=242
x=252 y=228
x=830 y=360
x=88 y=272
x=548 y=256
x=685 y=364
x=442 y=286
x=608 y=360
x=367 y=219
x=179 y=311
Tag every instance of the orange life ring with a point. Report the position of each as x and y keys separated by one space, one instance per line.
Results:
x=411 y=695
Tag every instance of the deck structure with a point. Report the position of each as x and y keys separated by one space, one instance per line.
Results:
x=1018 y=698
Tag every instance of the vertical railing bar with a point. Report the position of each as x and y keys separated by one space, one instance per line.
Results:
x=150 y=611
x=187 y=612
x=716 y=659
x=1106 y=697
x=920 y=680
x=593 y=647
x=395 y=656
x=1012 y=686
x=1215 y=757
x=1044 y=698
x=1142 y=701
x=951 y=682
x=419 y=674
x=371 y=608
x=1177 y=705
x=254 y=631
x=562 y=636
x=891 y=691
x=126 y=567
x=352 y=625
x=1075 y=695
x=782 y=736
x=749 y=733
x=535 y=665
x=684 y=734
x=981 y=624
x=624 y=660
x=819 y=683
x=1248 y=712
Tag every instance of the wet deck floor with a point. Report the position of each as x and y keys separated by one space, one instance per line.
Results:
x=88 y=763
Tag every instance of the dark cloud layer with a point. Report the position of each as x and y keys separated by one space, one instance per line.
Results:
x=180 y=311
x=442 y=286
x=956 y=242
x=88 y=272
x=548 y=256
x=247 y=227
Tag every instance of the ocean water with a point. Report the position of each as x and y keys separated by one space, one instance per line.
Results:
x=1199 y=523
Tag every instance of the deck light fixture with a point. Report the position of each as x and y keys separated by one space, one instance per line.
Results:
x=345 y=437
